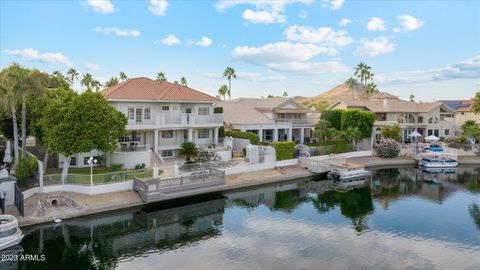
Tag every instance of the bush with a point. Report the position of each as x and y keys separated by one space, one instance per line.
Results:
x=140 y=166
x=335 y=147
x=392 y=132
x=116 y=166
x=254 y=139
x=284 y=150
x=334 y=117
x=26 y=167
x=359 y=119
x=387 y=148
x=459 y=142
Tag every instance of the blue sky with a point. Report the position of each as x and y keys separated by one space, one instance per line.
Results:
x=426 y=48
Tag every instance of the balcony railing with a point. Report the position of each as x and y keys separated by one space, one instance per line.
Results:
x=185 y=119
x=170 y=141
x=132 y=147
x=299 y=121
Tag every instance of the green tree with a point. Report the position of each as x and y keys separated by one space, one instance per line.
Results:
x=322 y=129
x=359 y=119
x=161 y=77
x=57 y=80
x=96 y=84
x=88 y=123
x=285 y=94
x=371 y=88
x=352 y=135
x=392 y=132
x=72 y=75
x=112 y=82
x=190 y=151
x=122 y=76
x=351 y=83
x=476 y=103
x=363 y=72
x=222 y=91
x=471 y=129
x=229 y=73
x=87 y=81
x=411 y=97
x=334 y=116
x=183 y=81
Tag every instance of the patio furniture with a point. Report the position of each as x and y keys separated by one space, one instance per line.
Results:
x=123 y=146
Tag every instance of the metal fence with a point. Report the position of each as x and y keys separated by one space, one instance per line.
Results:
x=98 y=179
x=19 y=200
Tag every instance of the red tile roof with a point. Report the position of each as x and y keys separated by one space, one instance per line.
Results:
x=147 y=89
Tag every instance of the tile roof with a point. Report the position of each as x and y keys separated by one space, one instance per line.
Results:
x=147 y=89
x=392 y=105
x=459 y=105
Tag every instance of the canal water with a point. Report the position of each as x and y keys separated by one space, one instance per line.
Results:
x=398 y=219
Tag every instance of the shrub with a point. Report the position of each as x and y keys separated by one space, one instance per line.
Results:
x=387 y=148
x=459 y=142
x=116 y=166
x=140 y=166
x=284 y=150
x=392 y=132
x=359 y=119
x=254 y=139
x=334 y=117
x=26 y=167
x=335 y=147
x=218 y=110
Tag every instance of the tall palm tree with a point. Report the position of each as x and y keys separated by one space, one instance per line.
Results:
x=371 y=88
x=285 y=94
x=229 y=73
x=476 y=103
x=122 y=76
x=161 y=76
x=73 y=74
x=113 y=81
x=222 y=91
x=363 y=73
x=412 y=97
x=351 y=82
x=96 y=84
x=87 y=81
x=183 y=81
x=9 y=97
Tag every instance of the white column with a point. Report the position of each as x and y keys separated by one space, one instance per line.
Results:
x=215 y=136
x=155 y=140
x=275 y=134
x=260 y=134
x=289 y=134
x=302 y=135
x=190 y=135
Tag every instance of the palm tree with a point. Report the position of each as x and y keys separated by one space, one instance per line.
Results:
x=161 y=76
x=96 y=84
x=9 y=97
x=371 y=88
x=222 y=91
x=412 y=97
x=183 y=81
x=87 y=81
x=113 y=81
x=73 y=74
x=476 y=103
x=190 y=151
x=285 y=94
x=351 y=82
x=363 y=73
x=229 y=73
x=122 y=76
x=175 y=82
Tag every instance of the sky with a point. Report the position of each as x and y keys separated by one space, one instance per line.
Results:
x=430 y=49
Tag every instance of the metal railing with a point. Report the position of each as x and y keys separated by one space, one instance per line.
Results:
x=98 y=179
x=132 y=147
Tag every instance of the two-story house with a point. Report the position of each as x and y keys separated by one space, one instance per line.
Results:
x=427 y=118
x=272 y=119
x=161 y=116
x=464 y=109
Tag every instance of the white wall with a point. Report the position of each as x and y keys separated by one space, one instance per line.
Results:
x=239 y=144
x=9 y=188
x=130 y=159
x=89 y=190
x=80 y=157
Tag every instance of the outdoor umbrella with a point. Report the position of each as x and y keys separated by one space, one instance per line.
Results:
x=432 y=138
x=414 y=134
x=8 y=154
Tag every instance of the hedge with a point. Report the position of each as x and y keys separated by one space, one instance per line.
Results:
x=334 y=117
x=284 y=150
x=26 y=167
x=362 y=120
x=254 y=139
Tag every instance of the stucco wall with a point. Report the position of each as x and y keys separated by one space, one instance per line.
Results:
x=130 y=159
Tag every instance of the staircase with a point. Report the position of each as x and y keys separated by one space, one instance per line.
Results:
x=156 y=159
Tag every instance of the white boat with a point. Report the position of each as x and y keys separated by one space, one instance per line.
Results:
x=346 y=171
x=10 y=233
x=353 y=182
x=438 y=160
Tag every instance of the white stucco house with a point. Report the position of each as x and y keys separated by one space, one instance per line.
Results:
x=272 y=119
x=161 y=116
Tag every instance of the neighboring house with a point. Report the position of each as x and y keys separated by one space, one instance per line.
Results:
x=464 y=109
x=272 y=119
x=428 y=118
x=161 y=116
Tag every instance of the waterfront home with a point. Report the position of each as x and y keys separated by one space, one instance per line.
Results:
x=464 y=109
x=161 y=116
x=272 y=119
x=427 y=118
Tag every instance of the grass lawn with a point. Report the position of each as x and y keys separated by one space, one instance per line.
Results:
x=96 y=170
x=100 y=175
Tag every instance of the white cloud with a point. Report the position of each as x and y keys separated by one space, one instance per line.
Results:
x=310 y=68
x=170 y=40
x=376 y=24
x=117 y=31
x=345 y=22
x=396 y=29
x=410 y=23
x=102 y=6
x=336 y=4
x=322 y=35
x=158 y=7
x=203 y=42
x=374 y=47
x=264 y=16
x=93 y=67
x=32 y=54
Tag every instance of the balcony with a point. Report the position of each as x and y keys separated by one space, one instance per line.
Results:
x=308 y=120
x=179 y=120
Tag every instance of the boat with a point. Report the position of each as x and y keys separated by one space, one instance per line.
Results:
x=345 y=171
x=352 y=183
x=440 y=170
x=438 y=160
x=10 y=233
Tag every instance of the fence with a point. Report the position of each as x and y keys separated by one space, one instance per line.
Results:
x=98 y=179
x=157 y=189
x=19 y=200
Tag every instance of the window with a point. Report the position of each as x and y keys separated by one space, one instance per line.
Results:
x=167 y=133
x=165 y=108
x=167 y=153
x=85 y=160
x=188 y=110
x=432 y=120
x=411 y=119
x=131 y=115
x=146 y=113
x=436 y=132
x=429 y=132
x=73 y=161
x=134 y=137
x=203 y=133
x=420 y=119
x=138 y=115
x=203 y=111
x=174 y=108
x=447 y=132
x=462 y=113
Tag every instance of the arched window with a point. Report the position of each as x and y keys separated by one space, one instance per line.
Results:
x=401 y=118
x=433 y=120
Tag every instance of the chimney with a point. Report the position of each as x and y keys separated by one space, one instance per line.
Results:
x=386 y=103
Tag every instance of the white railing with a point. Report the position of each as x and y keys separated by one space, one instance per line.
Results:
x=170 y=141
x=185 y=119
x=98 y=178
x=132 y=147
